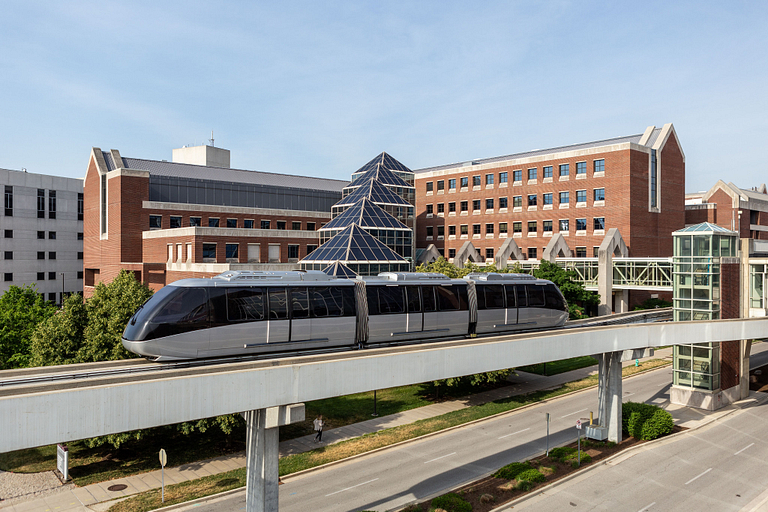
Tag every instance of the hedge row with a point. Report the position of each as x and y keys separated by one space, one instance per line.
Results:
x=645 y=421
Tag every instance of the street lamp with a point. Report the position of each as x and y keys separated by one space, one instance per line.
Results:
x=62 y=288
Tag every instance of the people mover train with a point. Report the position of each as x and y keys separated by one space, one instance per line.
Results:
x=241 y=313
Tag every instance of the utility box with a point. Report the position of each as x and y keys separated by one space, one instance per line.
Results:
x=596 y=432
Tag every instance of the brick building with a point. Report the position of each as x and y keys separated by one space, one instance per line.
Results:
x=196 y=217
x=742 y=210
x=635 y=184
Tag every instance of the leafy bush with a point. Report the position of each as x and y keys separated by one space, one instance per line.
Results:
x=585 y=459
x=525 y=486
x=562 y=453
x=645 y=421
x=658 y=425
x=531 y=475
x=452 y=502
x=511 y=471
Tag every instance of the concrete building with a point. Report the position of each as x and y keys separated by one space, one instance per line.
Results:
x=196 y=217
x=42 y=225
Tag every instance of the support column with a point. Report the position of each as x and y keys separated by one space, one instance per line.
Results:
x=604 y=282
x=609 y=394
x=622 y=301
x=271 y=468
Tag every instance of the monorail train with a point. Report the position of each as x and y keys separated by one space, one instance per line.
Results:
x=247 y=312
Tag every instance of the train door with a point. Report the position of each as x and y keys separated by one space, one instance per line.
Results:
x=511 y=311
x=491 y=313
x=239 y=315
x=387 y=316
x=415 y=320
x=301 y=324
x=278 y=325
x=524 y=317
x=429 y=303
x=333 y=315
x=537 y=314
x=450 y=318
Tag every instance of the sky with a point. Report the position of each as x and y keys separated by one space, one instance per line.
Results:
x=320 y=88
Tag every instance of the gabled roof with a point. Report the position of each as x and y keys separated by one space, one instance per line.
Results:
x=385 y=160
x=705 y=228
x=353 y=245
x=338 y=269
x=382 y=175
x=376 y=192
x=367 y=215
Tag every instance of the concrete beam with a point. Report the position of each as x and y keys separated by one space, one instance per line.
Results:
x=43 y=418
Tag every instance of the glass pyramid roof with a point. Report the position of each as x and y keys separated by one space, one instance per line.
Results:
x=376 y=192
x=353 y=245
x=365 y=214
x=706 y=227
x=338 y=269
x=386 y=161
x=382 y=175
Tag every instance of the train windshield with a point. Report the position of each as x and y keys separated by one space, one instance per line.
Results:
x=139 y=319
x=169 y=312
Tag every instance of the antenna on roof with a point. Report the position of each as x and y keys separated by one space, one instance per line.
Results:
x=211 y=139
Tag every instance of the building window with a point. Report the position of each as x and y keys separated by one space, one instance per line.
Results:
x=310 y=226
x=8 y=276
x=531 y=226
x=8 y=233
x=547 y=170
x=79 y=274
x=564 y=197
x=464 y=206
x=503 y=202
x=41 y=276
x=41 y=255
x=581 y=224
x=581 y=252
x=489 y=229
x=213 y=222
x=155 y=222
x=565 y=169
x=311 y=249
x=80 y=205
x=79 y=236
x=265 y=224
x=475 y=204
x=595 y=251
x=293 y=252
x=452 y=184
x=464 y=182
x=599 y=223
x=8 y=255
x=103 y=204
x=281 y=224
x=451 y=207
x=476 y=229
x=654 y=201
x=429 y=186
x=502 y=227
x=40 y=203
x=440 y=184
x=547 y=198
x=517 y=201
x=599 y=165
x=564 y=224
x=517 y=227
x=517 y=176
x=51 y=204
x=209 y=252
x=532 y=199
x=51 y=235
x=599 y=194
x=430 y=209
x=430 y=231
x=489 y=204
x=581 y=168
x=531 y=253
x=546 y=226
x=476 y=181
x=51 y=255
x=8 y=201
x=489 y=253
x=231 y=223
x=52 y=297
x=440 y=232
x=41 y=235
x=296 y=226
x=464 y=229
x=489 y=179
x=440 y=207
x=532 y=173
x=51 y=276
x=195 y=221
x=451 y=230
x=581 y=196
x=79 y=255
x=503 y=177
x=451 y=253
x=175 y=222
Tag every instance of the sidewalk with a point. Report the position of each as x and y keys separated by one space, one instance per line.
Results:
x=98 y=496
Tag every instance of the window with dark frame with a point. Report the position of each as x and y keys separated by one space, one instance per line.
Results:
x=430 y=185
x=41 y=276
x=296 y=226
x=531 y=253
x=464 y=206
x=489 y=253
x=547 y=171
x=195 y=221
x=489 y=179
x=502 y=227
x=581 y=224
x=451 y=207
x=581 y=168
x=155 y=222
x=452 y=184
x=517 y=227
x=599 y=194
x=465 y=182
x=475 y=204
x=8 y=201
x=265 y=224
x=503 y=202
x=598 y=223
x=581 y=196
x=503 y=177
x=231 y=223
x=581 y=252
x=79 y=274
x=599 y=165
x=547 y=198
x=430 y=209
x=213 y=222
x=8 y=233
x=464 y=229
x=532 y=199
x=8 y=255
x=546 y=226
x=489 y=204
x=175 y=221
x=517 y=201
x=41 y=235
x=517 y=176
x=440 y=207
x=565 y=197
x=281 y=224
x=41 y=203
x=564 y=223
x=451 y=230
x=51 y=204
x=451 y=253
x=51 y=276
x=41 y=255
x=532 y=227
x=476 y=181
x=440 y=232
x=80 y=205
x=430 y=231
x=51 y=235
x=532 y=173
x=51 y=255
x=79 y=236
x=209 y=251
x=476 y=229
x=293 y=252
x=8 y=276
x=564 y=169
x=440 y=184
x=489 y=229
x=310 y=226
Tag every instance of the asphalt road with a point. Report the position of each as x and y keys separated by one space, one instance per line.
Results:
x=398 y=476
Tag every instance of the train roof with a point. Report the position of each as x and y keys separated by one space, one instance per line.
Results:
x=409 y=277
x=497 y=278
x=241 y=277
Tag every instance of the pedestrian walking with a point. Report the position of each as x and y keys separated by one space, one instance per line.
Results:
x=318 y=423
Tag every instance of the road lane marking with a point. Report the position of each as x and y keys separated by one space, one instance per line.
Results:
x=697 y=477
x=646 y=507
x=571 y=414
x=513 y=433
x=748 y=446
x=348 y=488
x=444 y=456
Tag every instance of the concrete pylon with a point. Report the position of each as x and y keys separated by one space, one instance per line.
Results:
x=609 y=394
x=467 y=253
x=509 y=250
x=612 y=245
x=556 y=248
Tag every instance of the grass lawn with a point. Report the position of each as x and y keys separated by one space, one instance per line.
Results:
x=178 y=493
x=556 y=367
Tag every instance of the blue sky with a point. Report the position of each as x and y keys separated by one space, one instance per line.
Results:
x=319 y=88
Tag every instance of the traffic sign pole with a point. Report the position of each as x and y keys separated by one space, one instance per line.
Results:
x=578 y=441
x=163 y=461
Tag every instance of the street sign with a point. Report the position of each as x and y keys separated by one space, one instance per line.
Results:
x=62 y=460
x=163 y=458
x=163 y=462
x=578 y=424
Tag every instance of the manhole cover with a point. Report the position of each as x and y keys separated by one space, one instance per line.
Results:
x=117 y=487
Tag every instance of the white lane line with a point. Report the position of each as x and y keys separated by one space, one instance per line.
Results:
x=748 y=446
x=646 y=507
x=513 y=433
x=697 y=477
x=571 y=414
x=348 y=488
x=444 y=456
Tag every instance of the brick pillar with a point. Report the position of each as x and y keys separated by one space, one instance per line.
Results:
x=730 y=301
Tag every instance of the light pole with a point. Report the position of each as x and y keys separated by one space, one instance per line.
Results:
x=62 y=288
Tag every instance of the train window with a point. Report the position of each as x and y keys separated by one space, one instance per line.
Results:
x=245 y=304
x=535 y=296
x=348 y=299
x=414 y=302
x=186 y=311
x=373 y=300
x=448 y=298
x=391 y=299
x=428 y=295
x=510 y=293
x=326 y=302
x=522 y=298
x=278 y=304
x=553 y=298
x=299 y=303
x=480 y=289
x=494 y=296
x=461 y=292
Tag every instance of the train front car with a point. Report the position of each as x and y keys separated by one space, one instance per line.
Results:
x=517 y=302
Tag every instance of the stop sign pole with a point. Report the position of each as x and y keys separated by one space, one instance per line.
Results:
x=578 y=442
x=163 y=462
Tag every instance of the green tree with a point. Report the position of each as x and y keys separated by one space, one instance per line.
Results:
x=59 y=338
x=574 y=292
x=21 y=309
x=109 y=310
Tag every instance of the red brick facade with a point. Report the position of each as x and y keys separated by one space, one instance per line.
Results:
x=749 y=217
x=730 y=293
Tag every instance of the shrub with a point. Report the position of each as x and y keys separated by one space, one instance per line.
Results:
x=531 y=475
x=452 y=502
x=645 y=421
x=585 y=459
x=525 y=486
x=510 y=471
x=562 y=453
x=660 y=424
